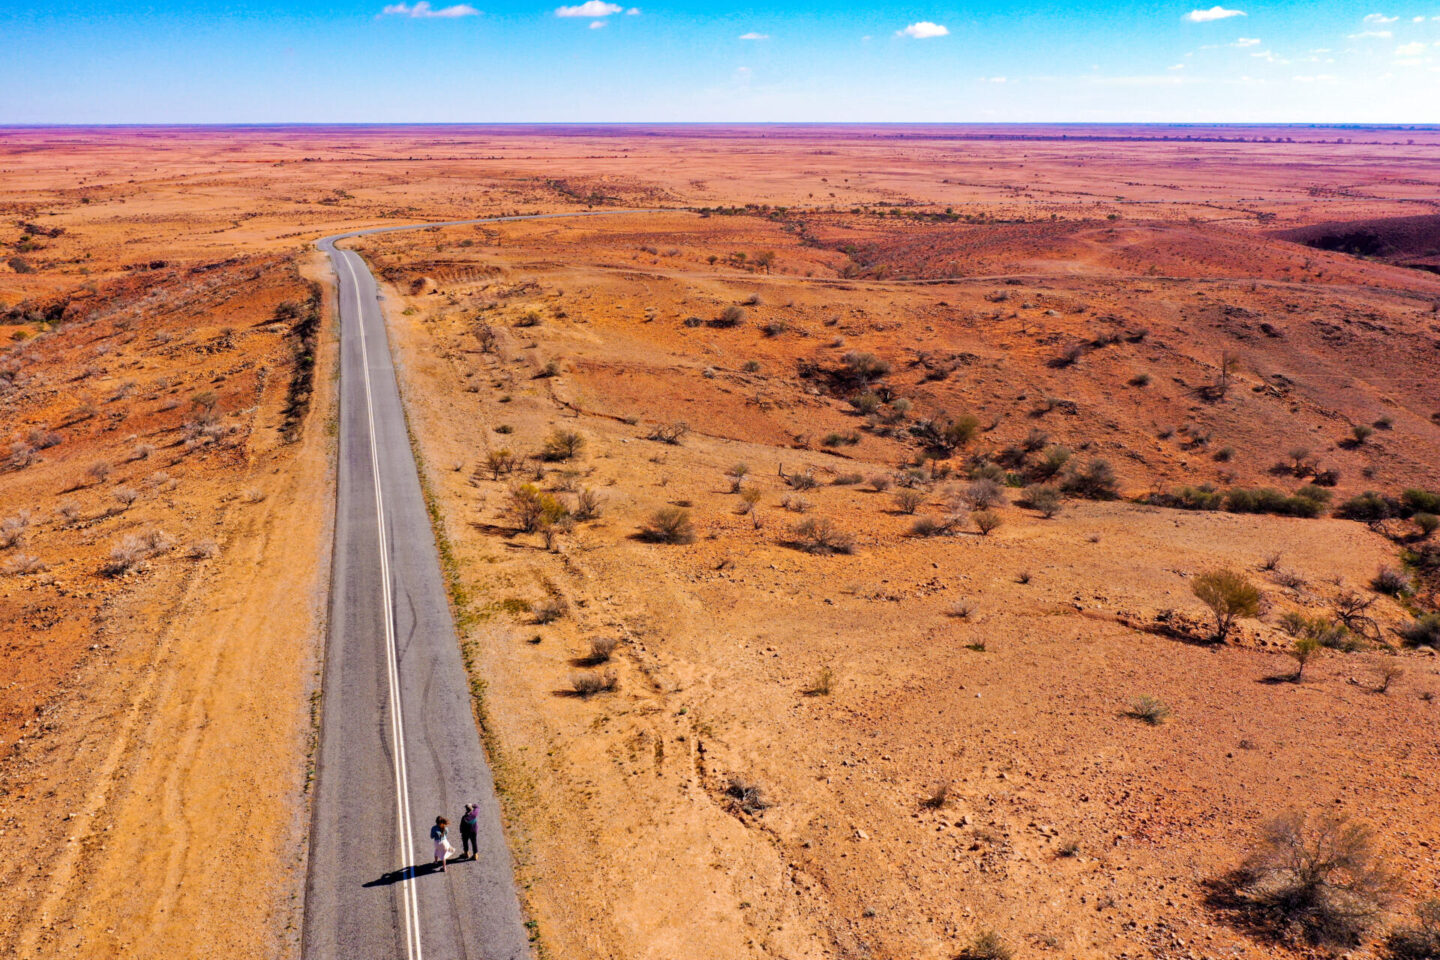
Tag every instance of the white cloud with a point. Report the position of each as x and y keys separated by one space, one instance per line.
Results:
x=597 y=24
x=1214 y=13
x=1410 y=49
x=633 y=12
x=1372 y=35
x=1178 y=66
x=590 y=8
x=992 y=80
x=1379 y=18
x=1248 y=42
x=1268 y=57
x=423 y=11
x=752 y=35
x=1317 y=78
x=923 y=30
x=1417 y=19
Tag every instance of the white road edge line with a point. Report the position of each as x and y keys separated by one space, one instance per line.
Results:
x=410 y=904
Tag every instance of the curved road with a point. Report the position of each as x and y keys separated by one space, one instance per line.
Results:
x=398 y=741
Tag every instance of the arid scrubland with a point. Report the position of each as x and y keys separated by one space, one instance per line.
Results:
x=907 y=544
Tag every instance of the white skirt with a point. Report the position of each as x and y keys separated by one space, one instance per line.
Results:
x=444 y=849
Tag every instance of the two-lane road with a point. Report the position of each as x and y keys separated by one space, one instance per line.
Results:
x=398 y=741
x=398 y=744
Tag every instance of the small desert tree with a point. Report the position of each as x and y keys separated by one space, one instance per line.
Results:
x=1229 y=595
x=563 y=445
x=1303 y=650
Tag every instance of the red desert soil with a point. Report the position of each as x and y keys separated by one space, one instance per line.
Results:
x=1063 y=290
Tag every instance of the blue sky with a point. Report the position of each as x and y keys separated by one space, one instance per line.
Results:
x=120 y=61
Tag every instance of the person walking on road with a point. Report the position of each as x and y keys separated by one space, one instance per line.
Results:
x=468 y=830
x=440 y=833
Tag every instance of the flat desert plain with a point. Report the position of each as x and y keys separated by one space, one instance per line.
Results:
x=823 y=526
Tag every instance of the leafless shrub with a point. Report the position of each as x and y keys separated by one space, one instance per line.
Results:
x=987 y=945
x=823 y=684
x=937 y=796
x=124 y=556
x=23 y=564
x=669 y=525
x=820 y=535
x=500 y=463
x=1387 y=673
x=1271 y=561
x=960 y=610
x=909 y=499
x=12 y=530
x=931 y=526
x=805 y=480
x=156 y=541
x=601 y=650
x=1420 y=940
x=1315 y=879
x=984 y=494
x=731 y=316
x=746 y=795
x=880 y=482
x=671 y=433
x=795 y=504
x=1391 y=581
x=587 y=685
x=125 y=496
x=21 y=455
x=98 y=471
x=550 y=609
x=588 y=504
x=202 y=550
x=44 y=439
x=69 y=511
x=142 y=451
x=485 y=337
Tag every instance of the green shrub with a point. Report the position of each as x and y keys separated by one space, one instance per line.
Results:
x=1096 y=481
x=669 y=525
x=1229 y=595
x=1423 y=632
x=562 y=445
x=1368 y=507
x=1150 y=709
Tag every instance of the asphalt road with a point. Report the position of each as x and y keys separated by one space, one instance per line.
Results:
x=398 y=741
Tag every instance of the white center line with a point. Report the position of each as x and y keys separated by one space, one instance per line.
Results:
x=409 y=903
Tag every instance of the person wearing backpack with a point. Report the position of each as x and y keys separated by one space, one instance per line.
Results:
x=469 y=830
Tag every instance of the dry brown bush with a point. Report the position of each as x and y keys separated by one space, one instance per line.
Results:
x=588 y=684
x=820 y=535
x=1314 y=879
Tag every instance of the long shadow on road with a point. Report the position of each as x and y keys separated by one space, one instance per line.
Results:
x=407 y=873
